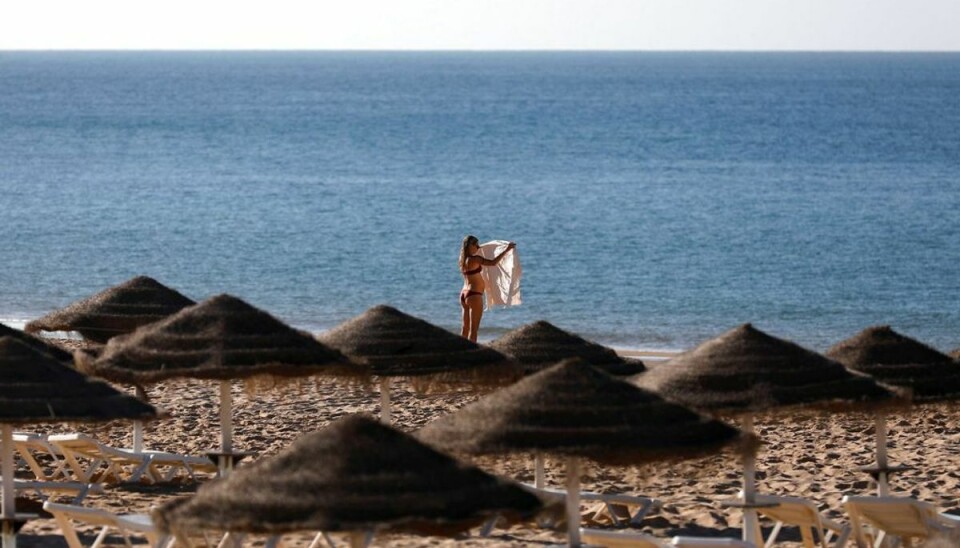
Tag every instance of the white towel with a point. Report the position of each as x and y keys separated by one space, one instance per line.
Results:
x=503 y=280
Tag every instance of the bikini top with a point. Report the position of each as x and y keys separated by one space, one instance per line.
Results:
x=474 y=271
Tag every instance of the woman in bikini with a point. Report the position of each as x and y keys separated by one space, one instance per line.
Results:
x=471 y=296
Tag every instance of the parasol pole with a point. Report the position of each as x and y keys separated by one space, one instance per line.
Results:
x=385 y=400
x=226 y=428
x=360 y=539
x=880 y=421
x=751 y=522
x=538 y=471
x=138 y=425
x=9 y=502
x=573 y=501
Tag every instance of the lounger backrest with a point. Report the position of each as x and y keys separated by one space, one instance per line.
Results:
x=619 y=539
x=792 y=511
x=899 y=516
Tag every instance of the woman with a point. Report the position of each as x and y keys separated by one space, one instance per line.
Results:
x=471 y=296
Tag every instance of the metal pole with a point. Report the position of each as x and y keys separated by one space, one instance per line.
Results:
x=226 y=428
x=138 y=425
x=751 y=521
x=385 y=400
x=539 y=474
x=573 y=501
x=883 y=488
x=9 y=509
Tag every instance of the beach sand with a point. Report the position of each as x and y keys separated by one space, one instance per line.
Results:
x=816 y=457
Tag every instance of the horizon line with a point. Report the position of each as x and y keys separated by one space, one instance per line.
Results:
x=455 y=50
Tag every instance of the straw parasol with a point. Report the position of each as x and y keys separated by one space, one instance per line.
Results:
x=395 y=344
x=221 y=338
x=37 y=343
x=746 y=371
x=895 y=359
x=114 y=311
x=574 y=410
x=34 y=387
x=541 y=344
x=955 y=353
x=356 y=475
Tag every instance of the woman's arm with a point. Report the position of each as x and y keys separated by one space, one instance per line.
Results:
x=496 y=260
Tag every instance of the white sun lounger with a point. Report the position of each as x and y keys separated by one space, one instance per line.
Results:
x=701 y=542
x=33 y=449
x=617 y=539
x=175 y=464
x=86 y=457
x=800 y=512
x=623 y=510
x=126 y=525
x=907 y=519
x=46 y=489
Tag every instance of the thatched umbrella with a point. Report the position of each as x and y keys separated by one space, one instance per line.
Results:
x=221 y=338
x=575 y=411
x=358 y=476
x=895 y=359
x=540 y=344
x=114 y=311
x=395 y=344
x=37 y=343
x=746 y=371
x=955 y=353
x=34 y=387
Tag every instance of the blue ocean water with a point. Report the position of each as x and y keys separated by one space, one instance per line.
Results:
x=657 y=199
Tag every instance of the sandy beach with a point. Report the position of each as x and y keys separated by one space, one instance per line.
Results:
x=814 y=456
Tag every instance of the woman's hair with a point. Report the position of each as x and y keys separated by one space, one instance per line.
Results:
x=469 y=239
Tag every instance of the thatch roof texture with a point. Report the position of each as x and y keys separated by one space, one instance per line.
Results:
x=220 y=338
x=898 y=360
x=395 y=344
x=37 y=343
x=354 y=475
x=574 y=409
x=114 y=311
x=34 y=387
x=747 y=370
x=541 y=344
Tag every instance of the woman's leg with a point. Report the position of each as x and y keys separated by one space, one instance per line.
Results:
x=475 y=304
x=465 y=328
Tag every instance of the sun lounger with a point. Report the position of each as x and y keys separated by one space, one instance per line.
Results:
x=815 y=528
x=617 y=539
x=621 y=510
x=906 y=519
x=700 y=542
x=88 y=459
x=126 y=525
x=34 y=450
x=85 y=456
x=175 y=464
x=46 y=489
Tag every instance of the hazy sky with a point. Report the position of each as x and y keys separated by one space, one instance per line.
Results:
x=483 y=24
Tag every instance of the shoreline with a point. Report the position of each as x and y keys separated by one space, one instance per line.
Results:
x=638 y=352
x=647 y=353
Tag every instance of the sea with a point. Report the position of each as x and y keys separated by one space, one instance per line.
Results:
x=656 y=199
